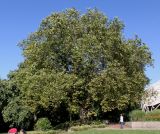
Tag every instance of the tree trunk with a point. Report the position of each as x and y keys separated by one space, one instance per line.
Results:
x=83 y=115
x=70 y=117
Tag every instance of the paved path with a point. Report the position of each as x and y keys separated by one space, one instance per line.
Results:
x=117 y=127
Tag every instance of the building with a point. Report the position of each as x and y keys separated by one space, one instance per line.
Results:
x=151 y=98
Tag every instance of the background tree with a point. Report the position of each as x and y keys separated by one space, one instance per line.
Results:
x=8 y=92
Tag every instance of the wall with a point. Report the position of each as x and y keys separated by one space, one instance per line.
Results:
x=148 y=124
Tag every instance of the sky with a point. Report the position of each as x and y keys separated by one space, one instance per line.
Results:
x=19 y=18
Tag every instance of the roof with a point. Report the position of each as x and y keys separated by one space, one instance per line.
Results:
x=153 y=95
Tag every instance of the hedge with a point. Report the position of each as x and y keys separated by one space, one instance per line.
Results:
x=138 y=115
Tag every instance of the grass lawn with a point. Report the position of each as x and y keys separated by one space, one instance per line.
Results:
x=118 y=132
x=92 y=131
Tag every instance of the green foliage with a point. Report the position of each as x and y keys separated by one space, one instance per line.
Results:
x=51 y=132
x=99 y=126
x=80 y=128
x=96 y=122
x=94 y=131
x=83 y=62
x=74 y=124
x=137 y=115
x=153 y=116
x=43 y=132
x=67 y=125
x=43 y=124
x=7 y=90
x=17 y=114
x=85 y=127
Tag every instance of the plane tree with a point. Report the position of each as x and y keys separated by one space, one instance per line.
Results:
x=84 y=62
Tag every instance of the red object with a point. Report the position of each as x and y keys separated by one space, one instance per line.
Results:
x=12 y=130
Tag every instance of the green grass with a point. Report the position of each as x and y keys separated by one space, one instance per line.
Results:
x=92 y=131
x=118 y=132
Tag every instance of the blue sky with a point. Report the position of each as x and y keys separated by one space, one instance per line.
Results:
x=19 y=18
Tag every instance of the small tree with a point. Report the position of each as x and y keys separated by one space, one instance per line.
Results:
x=43 y=124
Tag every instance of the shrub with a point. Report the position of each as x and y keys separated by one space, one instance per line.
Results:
x=78 y=125
x=43 y=124
x=67 y=125
x=137 y=115
x=153 y=116
x=85 y=127
x=52 y=132
x=43 y=132
x=96 y=122
x=80 y=128
x=99 y=126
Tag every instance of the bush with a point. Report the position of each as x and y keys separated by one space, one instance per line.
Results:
x=43 y=124
x=78 y=125
x=43 y=132
x=153 y=116
x=85 y=127
x=52 y=132
x=99 y=126
x=66 y=125
x=137 y=115
x=80 y=128
x=96 y=122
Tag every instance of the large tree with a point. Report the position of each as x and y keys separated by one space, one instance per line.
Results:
x=84 y=62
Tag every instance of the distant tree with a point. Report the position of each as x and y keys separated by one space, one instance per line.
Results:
x=83 y=61
x=7 y=92
x=13 y=110
x=16 y=114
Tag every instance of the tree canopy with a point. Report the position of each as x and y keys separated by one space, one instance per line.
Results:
x=81 y=63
